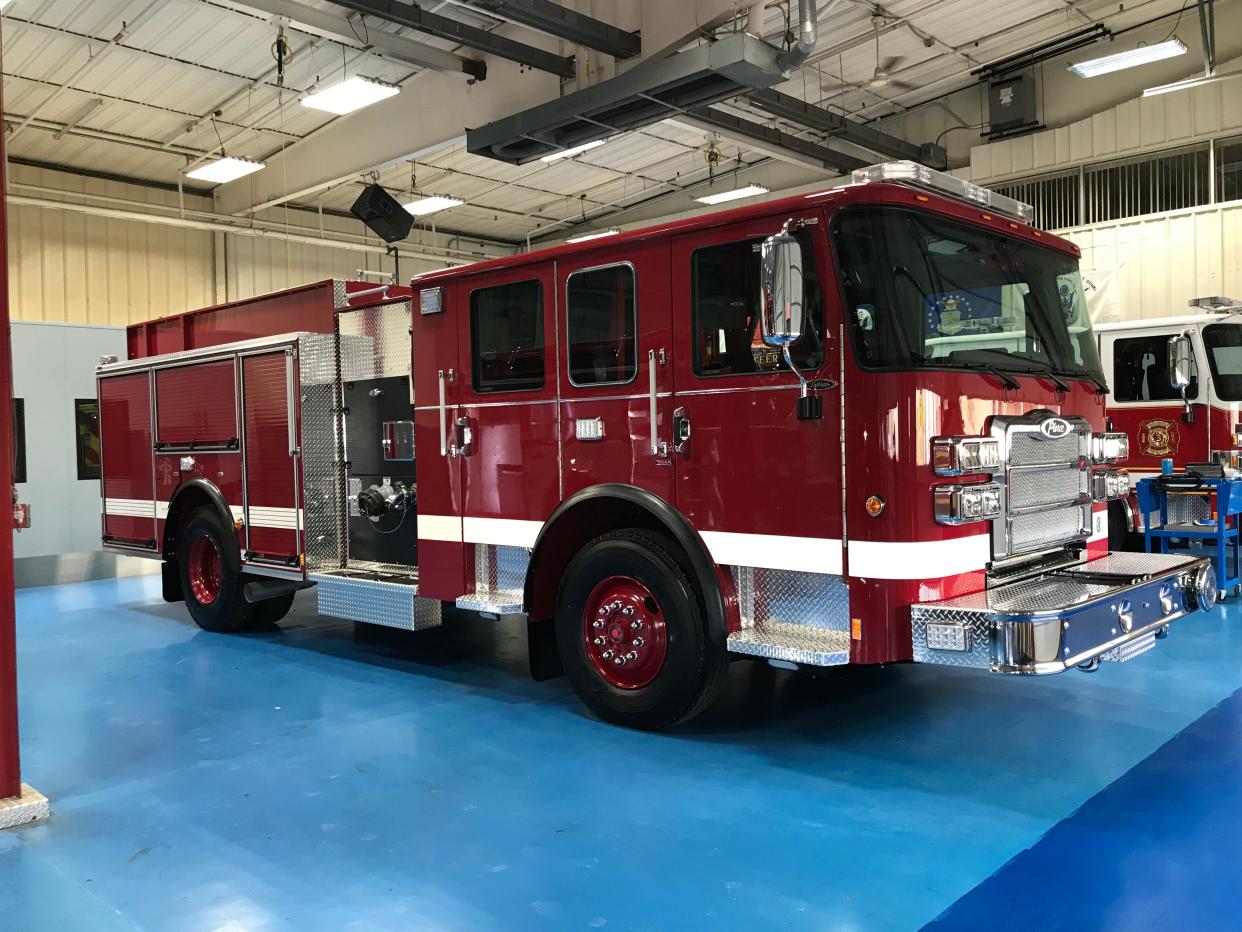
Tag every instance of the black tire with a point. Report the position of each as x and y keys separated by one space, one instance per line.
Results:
x=227 y=611
x=685 y=674
x=270 y=611
x=1120 y=537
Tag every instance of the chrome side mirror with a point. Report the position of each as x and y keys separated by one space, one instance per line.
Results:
x=781 y=298
x=1180 y=361
x=1181 y=368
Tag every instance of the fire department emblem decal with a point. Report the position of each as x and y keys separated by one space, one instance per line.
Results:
x=1158 y=438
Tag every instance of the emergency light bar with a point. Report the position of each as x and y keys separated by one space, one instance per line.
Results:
x=920 y=176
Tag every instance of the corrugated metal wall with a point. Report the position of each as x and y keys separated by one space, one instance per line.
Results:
x=74 y=268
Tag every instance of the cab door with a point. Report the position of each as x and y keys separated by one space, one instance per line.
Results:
x=616 y=369
x=504 y=434
x=762 y=486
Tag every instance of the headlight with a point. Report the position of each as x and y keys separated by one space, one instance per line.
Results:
x=1108 y=484
x=1112 y=447
x=962 y=504
x=960 y=456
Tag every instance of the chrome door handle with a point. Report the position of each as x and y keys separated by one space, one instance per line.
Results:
x=651 y=382
x=444 y=376
x=681 y=429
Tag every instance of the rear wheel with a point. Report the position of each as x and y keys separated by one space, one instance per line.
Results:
x=632 y=633
x=211 y=577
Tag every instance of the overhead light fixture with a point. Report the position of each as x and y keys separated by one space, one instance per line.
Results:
x=1191 y=82
x=432 y=203
x=720 y=197
x=596 y=235
x=225 y=169
x=350 y=95
x=575 y=150
x=1131 y=58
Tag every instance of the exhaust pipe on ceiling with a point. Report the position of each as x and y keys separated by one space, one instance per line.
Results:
x=808 y=34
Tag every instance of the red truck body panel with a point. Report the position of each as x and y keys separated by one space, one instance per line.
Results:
x=307 y=308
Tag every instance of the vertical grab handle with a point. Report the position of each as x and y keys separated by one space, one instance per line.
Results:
x=443 y=377
x=651 y=381
x=291 y=401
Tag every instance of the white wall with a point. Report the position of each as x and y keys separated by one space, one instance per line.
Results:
x=54 y=364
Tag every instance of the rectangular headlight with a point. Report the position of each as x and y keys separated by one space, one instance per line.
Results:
x=1111 y=447
x=962 y=504
x=962 y=456
x=1110 y=484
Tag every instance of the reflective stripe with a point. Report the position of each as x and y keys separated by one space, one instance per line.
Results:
x=279 y=518
x=771 y=551
x=130 y=507
x=506 y=532
x=920 y=559
x=1099 y=526
x=439 y=527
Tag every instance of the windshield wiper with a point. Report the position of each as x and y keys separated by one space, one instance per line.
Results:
x=1005 y=378
x=1100 y=387
x=1047 y=373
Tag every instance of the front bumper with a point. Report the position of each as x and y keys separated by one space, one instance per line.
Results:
x=1111 y=608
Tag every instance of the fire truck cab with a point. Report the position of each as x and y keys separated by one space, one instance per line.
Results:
x=1189 y=416
x=862 y=426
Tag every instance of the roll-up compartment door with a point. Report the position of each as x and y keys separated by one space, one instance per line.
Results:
x=128 y=482
x=272 y=517
x=196 y=406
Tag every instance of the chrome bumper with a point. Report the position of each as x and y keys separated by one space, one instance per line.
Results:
x=1112 y=608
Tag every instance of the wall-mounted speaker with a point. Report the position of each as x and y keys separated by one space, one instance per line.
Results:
x=382 y=214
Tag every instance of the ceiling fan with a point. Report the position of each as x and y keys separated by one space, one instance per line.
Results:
x=884 y=67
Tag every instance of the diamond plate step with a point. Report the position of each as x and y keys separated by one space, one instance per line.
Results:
x=776 y=640
x=493 y=602
x=389 y=601
x=1131 y=649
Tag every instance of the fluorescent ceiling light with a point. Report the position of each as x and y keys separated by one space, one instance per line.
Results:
x=1131 y=58
x=1191 y=82
x=431 y=203
x=719 y=198
x=566 y=153
x=224 y=169
x=596 y=235
x=350 y=95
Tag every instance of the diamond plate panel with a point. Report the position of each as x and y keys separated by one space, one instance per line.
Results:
x=1137 y=564
x=1187 y=509
x=375 y=341
x=977 y=633
x=1033 y=488
x=799 y=617
x=393 y=604
x=1029 y=532
x=31 y=806
x=320 y=442
x=1131 y=649
x=499 y=580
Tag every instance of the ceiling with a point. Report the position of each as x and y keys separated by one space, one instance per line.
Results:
x=129 y=87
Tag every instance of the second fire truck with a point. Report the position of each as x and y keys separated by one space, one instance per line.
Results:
x=861 y=426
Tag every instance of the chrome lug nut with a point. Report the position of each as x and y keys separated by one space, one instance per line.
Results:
x=631 y=656
x=628 y=610
x=598 y=642
x=618 y=661
x=638 y=642
x=597 y=623
x=636 y=625
x=607 y=655
x=603 y=610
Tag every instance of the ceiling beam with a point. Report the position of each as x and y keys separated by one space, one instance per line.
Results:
x=772 y=142
x=564 y=23
x=327 y=25
x=825 y=121
x=415 y=17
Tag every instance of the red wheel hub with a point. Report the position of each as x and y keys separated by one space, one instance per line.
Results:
x=626 y=637
x=205 y=572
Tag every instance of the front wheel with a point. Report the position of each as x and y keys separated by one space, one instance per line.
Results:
x=632 y=633
x=211 y=577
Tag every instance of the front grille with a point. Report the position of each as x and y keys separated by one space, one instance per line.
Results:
x=1030 y=448
x=1036 y=488
x=1046 y=481
x=1030 y=532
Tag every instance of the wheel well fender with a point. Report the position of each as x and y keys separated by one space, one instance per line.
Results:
x=602 y=508
x=195 y=494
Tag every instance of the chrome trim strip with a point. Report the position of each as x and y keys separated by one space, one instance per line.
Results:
x=652 y=412
x=205 y=354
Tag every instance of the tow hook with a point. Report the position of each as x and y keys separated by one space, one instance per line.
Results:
x=1090 y=666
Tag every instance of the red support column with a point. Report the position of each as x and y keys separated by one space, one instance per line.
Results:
x=10 y=768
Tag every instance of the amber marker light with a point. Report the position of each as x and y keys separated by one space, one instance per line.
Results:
x=874 y=505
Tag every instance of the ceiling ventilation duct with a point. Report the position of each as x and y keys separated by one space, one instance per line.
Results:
x=650 y=91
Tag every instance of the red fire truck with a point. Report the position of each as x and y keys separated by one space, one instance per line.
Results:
x=1177 y=392
x=908 y=464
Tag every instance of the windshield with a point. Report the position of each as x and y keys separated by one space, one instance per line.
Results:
x=924 y=291
x=1224 y=349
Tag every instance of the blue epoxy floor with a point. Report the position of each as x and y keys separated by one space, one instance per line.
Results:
x=300 y=779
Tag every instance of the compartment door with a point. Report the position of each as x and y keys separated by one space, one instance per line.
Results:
x=273 y=518
x=128 y=463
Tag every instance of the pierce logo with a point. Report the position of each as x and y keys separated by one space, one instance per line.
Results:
x=1054 y=428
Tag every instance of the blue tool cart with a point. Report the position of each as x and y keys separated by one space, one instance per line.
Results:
x=1200 y=510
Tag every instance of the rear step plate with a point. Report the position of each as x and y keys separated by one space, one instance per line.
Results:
x=389 y=601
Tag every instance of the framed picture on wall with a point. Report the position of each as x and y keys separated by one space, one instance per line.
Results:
x=19 y=439
x=86 y=421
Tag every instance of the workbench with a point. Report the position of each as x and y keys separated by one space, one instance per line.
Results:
x=1195 y=508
